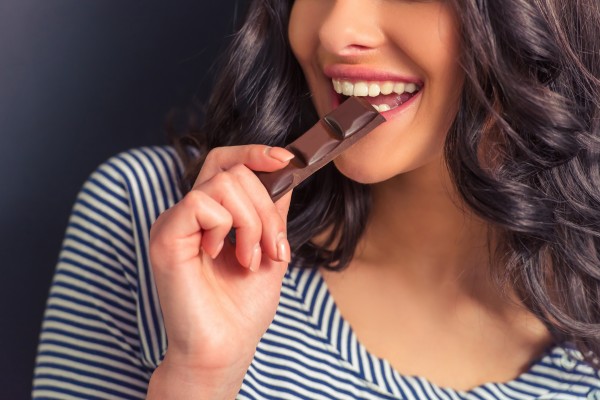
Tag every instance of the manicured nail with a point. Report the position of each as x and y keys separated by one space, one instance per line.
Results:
x=280 y=154
x=218 y=250
x=283 y=248
x=255 y=259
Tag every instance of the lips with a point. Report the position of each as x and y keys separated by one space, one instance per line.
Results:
x=384 y=96
x=384 y=90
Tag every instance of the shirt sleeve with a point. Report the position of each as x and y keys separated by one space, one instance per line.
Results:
x=102 y=334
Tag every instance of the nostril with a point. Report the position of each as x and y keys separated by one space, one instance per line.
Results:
x=347 y=31
x=354 y=49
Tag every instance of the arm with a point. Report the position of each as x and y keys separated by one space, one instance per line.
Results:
x=100 y=335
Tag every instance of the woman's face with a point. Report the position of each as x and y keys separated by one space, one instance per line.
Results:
x=402 y=55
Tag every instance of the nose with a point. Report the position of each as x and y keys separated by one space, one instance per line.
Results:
x=351 y=27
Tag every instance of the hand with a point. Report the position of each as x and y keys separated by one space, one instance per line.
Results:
x=219 y=298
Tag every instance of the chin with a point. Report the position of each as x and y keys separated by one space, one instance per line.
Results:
x=380 y=169
x=365 y=174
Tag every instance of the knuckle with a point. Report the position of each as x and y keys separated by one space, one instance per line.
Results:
x=192 y=199
x=208 y=159
x=252 y=234
x=227 y=219
x=264 y=204
x=251 y=223
x=275 y=222
x=197 y=200
x=213 y=155
x=257 y=152
x=215 y=151
x=240 y=170
x=224 y=180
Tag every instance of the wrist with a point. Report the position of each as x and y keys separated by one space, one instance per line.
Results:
x=181 y=380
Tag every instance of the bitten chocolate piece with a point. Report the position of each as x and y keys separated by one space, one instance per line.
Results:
x=333 y=134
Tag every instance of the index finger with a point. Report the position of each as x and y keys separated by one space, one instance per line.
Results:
x=257 y=157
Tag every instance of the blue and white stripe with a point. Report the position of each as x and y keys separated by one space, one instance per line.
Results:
x=103 y=333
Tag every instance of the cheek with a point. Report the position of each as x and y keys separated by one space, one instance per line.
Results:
x=393 y=152
x=429 y=40
x=306 y=19
x=302 y=31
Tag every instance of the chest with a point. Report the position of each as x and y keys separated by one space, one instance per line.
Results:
x=448 y=341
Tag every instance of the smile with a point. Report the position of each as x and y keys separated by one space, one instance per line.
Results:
x=384 y=96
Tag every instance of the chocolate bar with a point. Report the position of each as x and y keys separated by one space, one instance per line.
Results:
x=331 y=135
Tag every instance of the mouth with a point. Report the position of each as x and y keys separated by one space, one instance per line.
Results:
x=383 y=95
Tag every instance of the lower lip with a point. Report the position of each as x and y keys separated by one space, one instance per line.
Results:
x=386 y=114
x=398 y=110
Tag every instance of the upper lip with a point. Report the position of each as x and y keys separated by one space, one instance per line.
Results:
x=363 y=73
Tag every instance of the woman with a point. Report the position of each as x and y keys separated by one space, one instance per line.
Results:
x=452 y=253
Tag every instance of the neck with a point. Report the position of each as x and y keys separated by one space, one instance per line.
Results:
x=418 y=224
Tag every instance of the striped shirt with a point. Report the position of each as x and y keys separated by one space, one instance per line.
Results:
x=103 y=334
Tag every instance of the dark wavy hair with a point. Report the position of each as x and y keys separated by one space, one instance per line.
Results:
x=523 y=151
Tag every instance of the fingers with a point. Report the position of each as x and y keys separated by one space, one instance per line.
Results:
x=239 y=161
x=176 y=234
x=272 y=217
x=258 y=222
x=226 y=195
x=227 y=190
x=283 y=205
x=255 y=157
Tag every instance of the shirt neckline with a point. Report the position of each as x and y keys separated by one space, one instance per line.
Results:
x=378 y=373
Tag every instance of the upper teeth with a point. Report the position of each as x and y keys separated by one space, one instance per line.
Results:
x=372 y=89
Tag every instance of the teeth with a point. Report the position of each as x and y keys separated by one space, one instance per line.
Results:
x=410 y=87
x=387 y=88
x=347 y=88
x=400 y=87
x=361 y=89
x=382 y=107
x=372 y=89
x=337 y=86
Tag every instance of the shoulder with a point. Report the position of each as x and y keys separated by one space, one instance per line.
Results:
x=142 y=168
x=116 y=208
x=141 y=180
x=562 y=371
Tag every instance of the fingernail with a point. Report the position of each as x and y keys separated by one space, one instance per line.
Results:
x=218 y=251
x=283 y=248
x=280 y=154
x=255 y=259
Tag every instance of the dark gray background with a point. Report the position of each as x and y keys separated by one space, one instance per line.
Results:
x=80 y=80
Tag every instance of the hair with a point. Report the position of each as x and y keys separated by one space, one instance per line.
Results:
x=523 y=150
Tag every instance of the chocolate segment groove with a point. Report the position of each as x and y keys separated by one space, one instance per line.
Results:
x=331 y=135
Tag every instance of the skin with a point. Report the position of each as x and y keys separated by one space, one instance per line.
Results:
x=441 y=317
x=421 y=248
x=207 y=286
x=423 y=46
